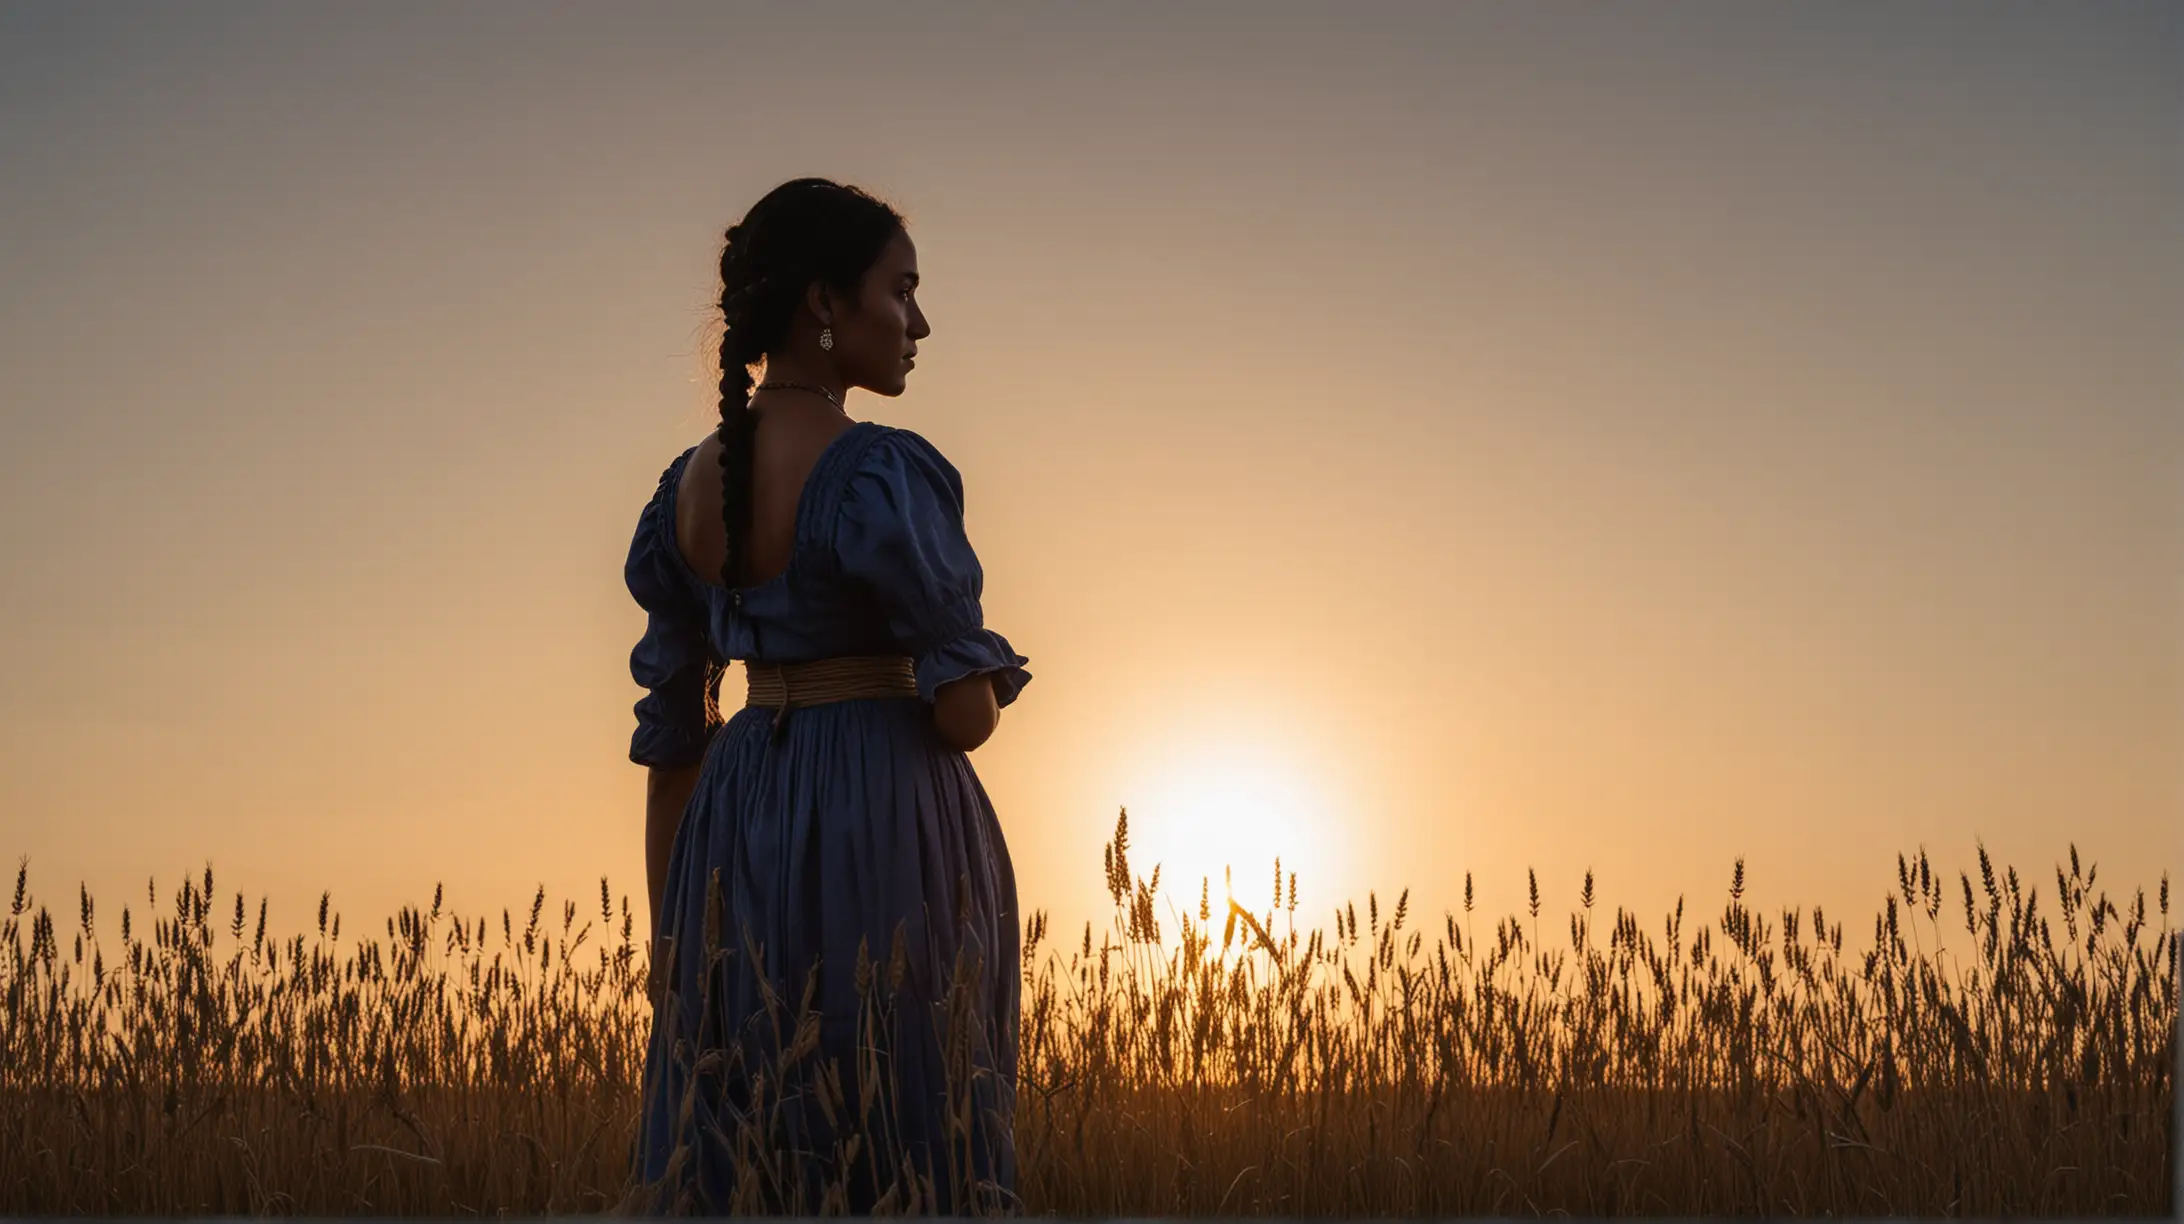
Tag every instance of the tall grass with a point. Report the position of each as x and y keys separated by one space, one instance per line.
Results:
x=1993 y=1049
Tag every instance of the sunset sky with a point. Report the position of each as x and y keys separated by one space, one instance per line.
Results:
x=1410 y=440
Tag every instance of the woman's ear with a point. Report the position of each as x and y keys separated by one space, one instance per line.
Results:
x=820 y=301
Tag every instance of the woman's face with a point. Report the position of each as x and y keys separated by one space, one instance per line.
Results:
x=874 y=341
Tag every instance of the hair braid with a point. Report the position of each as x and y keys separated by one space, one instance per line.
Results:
x=738 y=425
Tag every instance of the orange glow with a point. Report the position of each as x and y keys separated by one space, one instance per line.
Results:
x=1466 y=440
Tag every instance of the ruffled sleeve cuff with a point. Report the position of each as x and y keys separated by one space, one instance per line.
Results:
x=971 y=653
x=666 y=751
x=666 y=744
x=674 y=721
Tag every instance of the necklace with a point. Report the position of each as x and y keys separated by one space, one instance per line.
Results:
x=832 y=398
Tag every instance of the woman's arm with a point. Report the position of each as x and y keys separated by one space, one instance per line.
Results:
x=667 y=792
x=966 y=712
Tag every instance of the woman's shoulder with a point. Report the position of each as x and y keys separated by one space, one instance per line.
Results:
x=903 y=461
x=661 y=503
x=656 y=522
x=668 y=485
x=653 y=564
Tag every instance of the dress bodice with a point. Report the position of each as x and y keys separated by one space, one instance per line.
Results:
x=880 y=563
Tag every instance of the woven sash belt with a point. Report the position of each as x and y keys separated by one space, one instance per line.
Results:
x=782 y=687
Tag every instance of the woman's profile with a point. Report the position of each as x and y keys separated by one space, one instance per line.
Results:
x=829 y=842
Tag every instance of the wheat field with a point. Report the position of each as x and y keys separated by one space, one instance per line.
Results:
x=1993 y=1049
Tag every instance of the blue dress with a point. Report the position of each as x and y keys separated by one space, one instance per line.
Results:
x=854 y=834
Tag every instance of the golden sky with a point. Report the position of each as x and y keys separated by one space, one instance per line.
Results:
x=1411 y=440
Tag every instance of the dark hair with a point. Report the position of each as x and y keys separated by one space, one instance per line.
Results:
x=805 y=230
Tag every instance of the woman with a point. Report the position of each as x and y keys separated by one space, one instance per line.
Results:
x=834 y=911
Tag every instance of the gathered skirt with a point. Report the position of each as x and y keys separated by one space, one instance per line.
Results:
x=838 y=951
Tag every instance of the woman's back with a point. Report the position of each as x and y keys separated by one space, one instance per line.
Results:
x=784 y=448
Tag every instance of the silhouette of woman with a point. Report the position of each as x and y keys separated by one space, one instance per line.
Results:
x=834 y=919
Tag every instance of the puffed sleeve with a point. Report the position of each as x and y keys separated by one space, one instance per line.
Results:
x=672 y=661
x=900 y=532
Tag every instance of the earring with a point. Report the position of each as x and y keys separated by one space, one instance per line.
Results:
x=826 y=338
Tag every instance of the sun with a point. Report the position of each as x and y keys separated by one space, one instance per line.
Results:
x=1223 y=812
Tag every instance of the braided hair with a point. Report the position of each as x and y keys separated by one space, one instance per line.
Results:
x=805 y=230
